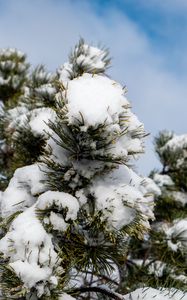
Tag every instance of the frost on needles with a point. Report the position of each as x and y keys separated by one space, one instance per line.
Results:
x=66 y=219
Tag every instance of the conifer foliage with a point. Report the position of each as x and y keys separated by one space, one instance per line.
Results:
x=171 y=207
x=161 y=260
x=13 y=77
x=68 y=214
x=22 y=91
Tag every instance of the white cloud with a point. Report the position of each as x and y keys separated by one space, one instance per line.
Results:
x=47 y=29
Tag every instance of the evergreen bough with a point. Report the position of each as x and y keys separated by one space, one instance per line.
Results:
x=161 y=260
x=21 y=91
x=71 y=208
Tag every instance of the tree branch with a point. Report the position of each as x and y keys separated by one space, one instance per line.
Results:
x=98 y=289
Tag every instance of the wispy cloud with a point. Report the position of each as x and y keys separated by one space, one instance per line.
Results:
x=46 y=30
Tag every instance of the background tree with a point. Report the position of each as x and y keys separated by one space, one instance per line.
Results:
x=13 y=77
x=21 y=90
x=161 y=260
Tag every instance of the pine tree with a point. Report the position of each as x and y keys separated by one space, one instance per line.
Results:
x=67 y=218
x=171 y=207
x=72 y=207
x=27 y=143
x=161 y=260
x=22 y=92
x=13 y=77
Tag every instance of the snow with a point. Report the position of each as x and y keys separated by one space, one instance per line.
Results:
x=98 y=98
x=30 y=249
x=181 y=278
x=57 y=221
x=66 y=297
x=88 y=58
x=46 y=89
x=92 y=57
x=179 y=197
x=37 y=119
x=87 y=168
x=15 y=81
x=109 y=200
x=151 y=187
x=26 y=183
x=6 y=52
x=58 y=154
x=30 y=273
x=156 y=267
x=21 y=67
x=162 y=180
x=120 y=198
x=41 y=75
x=8 y=64
x=15 y=113
x=4 y=81
x=81 y=197
x=178 y=233
x=40 y=118
x=177 y=142
x=148 y=293
x=60 y=200
x=12 y=64
x=64 y=73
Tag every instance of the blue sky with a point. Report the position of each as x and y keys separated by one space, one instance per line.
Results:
x=146 y=38
x=163 y=22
